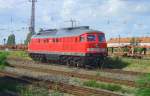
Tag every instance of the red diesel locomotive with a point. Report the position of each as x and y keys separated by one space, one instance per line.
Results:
x=77 y=46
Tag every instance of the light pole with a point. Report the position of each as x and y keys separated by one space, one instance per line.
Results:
x=32 y=22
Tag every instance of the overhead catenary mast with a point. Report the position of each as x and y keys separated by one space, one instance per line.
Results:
x=73 y=23
x=32 y=22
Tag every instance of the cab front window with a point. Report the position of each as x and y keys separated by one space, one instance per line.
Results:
x=91 y=38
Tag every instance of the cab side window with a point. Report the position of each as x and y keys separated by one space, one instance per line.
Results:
x=82 y=39
x=101 y=38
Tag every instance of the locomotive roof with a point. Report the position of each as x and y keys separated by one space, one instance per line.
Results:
x=64 y=32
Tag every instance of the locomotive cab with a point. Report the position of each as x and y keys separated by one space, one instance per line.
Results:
x=95 y=43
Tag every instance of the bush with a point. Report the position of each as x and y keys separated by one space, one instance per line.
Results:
x=22 y=88
x=8 y=84
x=115 y=63
x=143 y=86
x=138 y=49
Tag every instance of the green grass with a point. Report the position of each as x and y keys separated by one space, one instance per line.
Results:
x=98 y=73
x=129 y=64
x=19 y=54
x=139 y=65
x=56 y=93
x=33 y=91
x=3 y=57
x=109 y=87
x=143 y=86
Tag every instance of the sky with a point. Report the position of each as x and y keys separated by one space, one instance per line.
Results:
x=124 y=18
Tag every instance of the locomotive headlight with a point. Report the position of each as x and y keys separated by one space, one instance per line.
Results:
x=96 y=49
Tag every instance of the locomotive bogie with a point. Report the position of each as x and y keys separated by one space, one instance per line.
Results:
x=89 y=60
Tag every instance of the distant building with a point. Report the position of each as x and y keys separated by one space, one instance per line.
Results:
x=140 y=41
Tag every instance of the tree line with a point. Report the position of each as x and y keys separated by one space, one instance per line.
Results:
x=11 y=40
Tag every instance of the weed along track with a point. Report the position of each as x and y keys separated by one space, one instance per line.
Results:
x=74 y=74
x=63 y=87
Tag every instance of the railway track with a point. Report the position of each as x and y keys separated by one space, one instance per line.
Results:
x=117 y=71
x=123 y=72
x=75 y=74
x=67 y=88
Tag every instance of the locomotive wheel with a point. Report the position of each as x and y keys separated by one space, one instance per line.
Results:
x=43 y=59
x=61 y=60
x=96 y=62
x=80 y=63
x=71 y=61
x=90 y=63
x=102 y=62
x=34 y=57
x=68 y=62
x=76 y=62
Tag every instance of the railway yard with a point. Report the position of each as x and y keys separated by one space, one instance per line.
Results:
x=74 y=48
x=61 y=80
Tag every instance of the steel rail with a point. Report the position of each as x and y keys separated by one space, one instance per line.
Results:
x=67 y=88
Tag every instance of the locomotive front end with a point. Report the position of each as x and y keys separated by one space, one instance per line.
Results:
x=96 y=44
